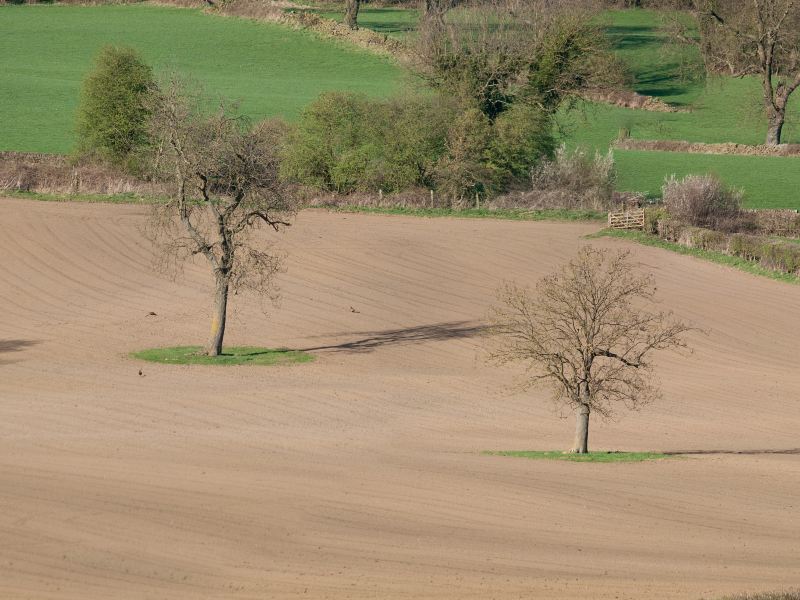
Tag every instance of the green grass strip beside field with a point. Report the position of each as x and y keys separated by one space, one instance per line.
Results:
x=234 y=355
x=125 y=198
x=469 y=213
x=710 y=255
x=478 y=213
x=603 y=457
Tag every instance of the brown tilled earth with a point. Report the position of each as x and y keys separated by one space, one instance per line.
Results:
x=361 y=475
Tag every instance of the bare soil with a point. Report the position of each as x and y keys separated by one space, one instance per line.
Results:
x=361 y=475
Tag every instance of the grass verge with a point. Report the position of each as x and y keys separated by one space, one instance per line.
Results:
x=604 y=457
x=234 y=355
x=711 y=255
x=127 y=198
x=478 y=213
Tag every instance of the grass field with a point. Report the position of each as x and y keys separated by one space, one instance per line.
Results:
x=276 y=71
x=721 y=110
x=46 y=50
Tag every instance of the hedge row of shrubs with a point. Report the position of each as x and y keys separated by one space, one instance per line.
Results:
x=777 y=255
x=347 y=143
x=701 y=212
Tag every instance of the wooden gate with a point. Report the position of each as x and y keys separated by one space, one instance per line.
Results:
x=626 y=219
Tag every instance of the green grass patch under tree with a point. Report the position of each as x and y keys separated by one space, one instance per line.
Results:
x=233 y=355
x=603 y=457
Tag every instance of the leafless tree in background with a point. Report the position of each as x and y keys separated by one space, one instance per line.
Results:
x=753 y=37
x=224 y=177
x=588 y=334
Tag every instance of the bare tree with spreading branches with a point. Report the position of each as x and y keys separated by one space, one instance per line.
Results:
x=224 y=177
x=753 y=37
x=588 y=334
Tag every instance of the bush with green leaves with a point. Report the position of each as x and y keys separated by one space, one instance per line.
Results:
x=463 y=173
x=347 y=143
x=522 y=138
x=113 y=115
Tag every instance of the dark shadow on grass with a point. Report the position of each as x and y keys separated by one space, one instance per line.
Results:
x=746 y=452
x=370 y=340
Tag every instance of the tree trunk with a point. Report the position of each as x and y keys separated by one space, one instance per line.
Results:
x=776 y=119
x=351 y=14
x=214 y=347
x=581 y=445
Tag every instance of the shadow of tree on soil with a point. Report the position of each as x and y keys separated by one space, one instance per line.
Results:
x=370 y=340
x=746 y=452
x=9 y=346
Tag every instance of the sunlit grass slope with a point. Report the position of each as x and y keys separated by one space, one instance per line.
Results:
x=46 y=50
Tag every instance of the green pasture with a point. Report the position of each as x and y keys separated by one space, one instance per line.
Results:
x=271 y=70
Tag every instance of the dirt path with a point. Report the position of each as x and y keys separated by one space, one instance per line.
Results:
x=360 y=475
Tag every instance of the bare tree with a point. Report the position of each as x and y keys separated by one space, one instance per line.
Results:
x=588 y=334
x=351 y=9
x=224 y=177
x=754 y=37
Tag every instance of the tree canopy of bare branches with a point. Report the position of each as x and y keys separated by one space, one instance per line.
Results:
x=755 y=37
x=224 y=177
x=505 y=51
x=588 y=334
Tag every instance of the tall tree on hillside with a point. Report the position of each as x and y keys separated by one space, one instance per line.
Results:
x=755 y=37
x=351 y=13
x=588 y=334
x=225 y=183
x=513 y=51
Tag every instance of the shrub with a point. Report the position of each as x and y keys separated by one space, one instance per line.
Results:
x=652 y=219
x=463 y=172
x=113 y=115
x=777 y=222
x=522 y=139
x=704 y=201
x=316 y=152
x=346 y=143
x=573 y=180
